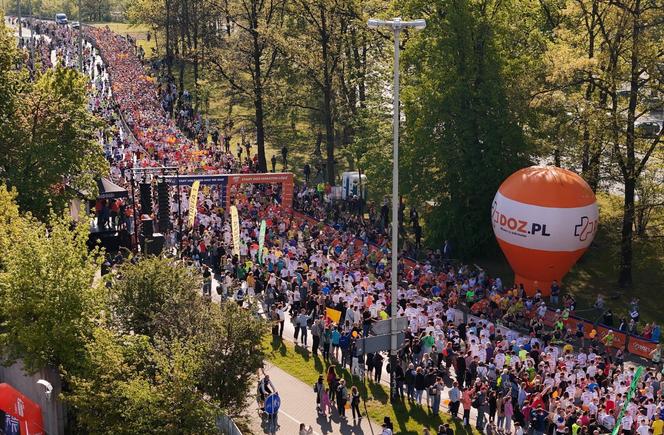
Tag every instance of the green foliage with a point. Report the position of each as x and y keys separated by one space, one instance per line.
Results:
x=11 y=223
x=132 y=386
x=233 y=353
x=47 y=297
x=145 y=354
x=48 y=141
x=462 y=138
x=11 y=79
x=156 y=298
x=166 y=361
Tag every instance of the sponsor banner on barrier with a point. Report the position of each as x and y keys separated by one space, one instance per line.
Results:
x=572 y=323
x=619 y=338
x=549 y=318
x=640 y=346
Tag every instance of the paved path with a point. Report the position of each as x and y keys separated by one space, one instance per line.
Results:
x=298 y=405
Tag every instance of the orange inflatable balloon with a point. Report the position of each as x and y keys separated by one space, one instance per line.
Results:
x=544 y=219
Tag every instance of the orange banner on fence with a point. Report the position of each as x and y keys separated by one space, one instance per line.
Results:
x=619 y=338
x=640 y=346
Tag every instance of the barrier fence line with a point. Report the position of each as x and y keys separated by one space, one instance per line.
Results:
x=227 y=426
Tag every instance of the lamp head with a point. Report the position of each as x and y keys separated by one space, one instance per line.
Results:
x=419 y=24
x=373 y=23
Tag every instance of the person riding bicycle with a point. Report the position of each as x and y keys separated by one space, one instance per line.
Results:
x=265 y=388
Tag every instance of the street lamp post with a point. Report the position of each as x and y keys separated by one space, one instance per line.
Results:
x=20 y=25
x=396 y=25
x=80 y=39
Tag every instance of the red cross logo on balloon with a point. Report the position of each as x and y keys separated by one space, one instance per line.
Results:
x=585 y=229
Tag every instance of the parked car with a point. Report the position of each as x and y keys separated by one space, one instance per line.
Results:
x=61 y=19
x=75 y=25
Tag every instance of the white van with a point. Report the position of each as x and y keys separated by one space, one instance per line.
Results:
x=61 y=19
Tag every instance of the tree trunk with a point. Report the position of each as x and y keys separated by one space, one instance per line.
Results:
x=328 y=119
x=629 y=171
x=625 y=277
x=195 y=45
x=588 y=169
x=258 y=92
x=260 y=131
x=169 y=50
x=329 y=136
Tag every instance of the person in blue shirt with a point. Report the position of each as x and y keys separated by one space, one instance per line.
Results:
x=539 y=421
x=656 y=332
x=336 y=335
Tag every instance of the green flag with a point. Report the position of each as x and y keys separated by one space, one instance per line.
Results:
x=261 y=241
x=628 y=398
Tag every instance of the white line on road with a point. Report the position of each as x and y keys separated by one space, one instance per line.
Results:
x=281 y=411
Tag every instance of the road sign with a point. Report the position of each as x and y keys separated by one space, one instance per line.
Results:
x=272 y=404
x=382 y=327
x=378 y=343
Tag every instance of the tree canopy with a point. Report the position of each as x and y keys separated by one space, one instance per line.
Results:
x=48 y=144
x=459 y=122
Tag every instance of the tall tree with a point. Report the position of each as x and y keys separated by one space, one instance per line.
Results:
x=160 y=299
x=47 y=297
x=247 y=58
x=462 y=135
x=48 y=142
x=314 y=47
x=131 y=385
x=613 y=66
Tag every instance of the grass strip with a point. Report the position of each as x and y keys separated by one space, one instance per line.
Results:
x=408 y=418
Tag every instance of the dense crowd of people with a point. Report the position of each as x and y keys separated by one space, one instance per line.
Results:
x=528 y=378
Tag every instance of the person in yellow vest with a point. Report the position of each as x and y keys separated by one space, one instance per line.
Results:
x=608 y=339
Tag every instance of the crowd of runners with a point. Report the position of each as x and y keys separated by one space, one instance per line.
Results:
x=506 y=370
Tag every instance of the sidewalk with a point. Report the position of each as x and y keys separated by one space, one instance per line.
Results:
x=298 y=405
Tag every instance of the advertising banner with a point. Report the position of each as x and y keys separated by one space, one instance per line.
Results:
x=640 y=346
x=619 y=338
x=193 y=201
x=20 y=414
x=235 y=225
x=261 y=241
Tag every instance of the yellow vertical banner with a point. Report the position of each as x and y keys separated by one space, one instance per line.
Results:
x=235 y=225
x=193 y=202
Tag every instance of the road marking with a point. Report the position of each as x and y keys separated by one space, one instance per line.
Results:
x=281 y=411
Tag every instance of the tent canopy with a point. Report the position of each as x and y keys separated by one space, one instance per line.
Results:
x=108 y=189
x=27 y=412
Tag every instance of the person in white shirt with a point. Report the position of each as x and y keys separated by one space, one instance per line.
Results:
x=643 y=428
x=518 y=430
x=626 y=423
